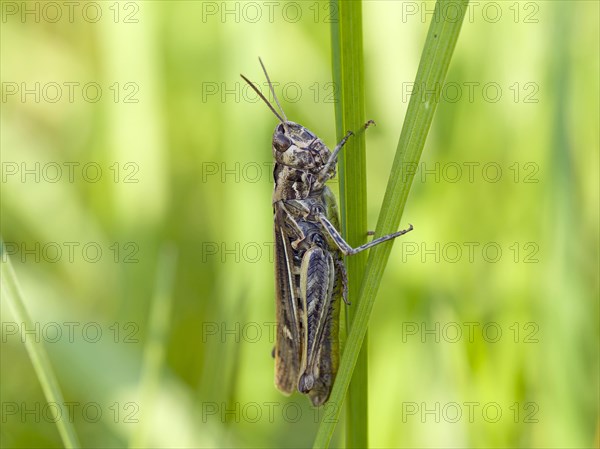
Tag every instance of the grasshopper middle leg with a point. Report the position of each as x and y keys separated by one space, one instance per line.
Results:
x=345 y=248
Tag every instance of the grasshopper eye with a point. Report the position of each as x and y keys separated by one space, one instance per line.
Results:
x=281 y=142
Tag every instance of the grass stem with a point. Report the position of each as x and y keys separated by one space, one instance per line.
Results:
x=435 y=60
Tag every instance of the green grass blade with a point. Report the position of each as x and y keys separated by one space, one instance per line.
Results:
x=435 y=59
x=347 y=54
x=156 y=345
x=36 y=351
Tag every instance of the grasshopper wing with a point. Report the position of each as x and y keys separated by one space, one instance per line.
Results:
x=289 y=333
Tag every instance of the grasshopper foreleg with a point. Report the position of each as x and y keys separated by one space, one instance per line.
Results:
x=339 y=146
x=336 y=150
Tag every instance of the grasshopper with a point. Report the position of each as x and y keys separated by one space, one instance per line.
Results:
x=310 y=276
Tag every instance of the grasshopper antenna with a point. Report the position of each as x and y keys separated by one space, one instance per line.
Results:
x=272 y=90
x=264 y=99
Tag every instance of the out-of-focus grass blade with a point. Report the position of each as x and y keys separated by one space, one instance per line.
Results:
x=348 y=73
x=155 y=348
x=435 y=59
x=35 y=349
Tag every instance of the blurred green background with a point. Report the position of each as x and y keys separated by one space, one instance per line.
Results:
x=132 y=150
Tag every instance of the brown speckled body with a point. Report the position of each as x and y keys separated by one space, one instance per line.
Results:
x=310 y=276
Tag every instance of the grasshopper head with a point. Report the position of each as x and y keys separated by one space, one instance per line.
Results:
x=294 y=146
x=297 y=147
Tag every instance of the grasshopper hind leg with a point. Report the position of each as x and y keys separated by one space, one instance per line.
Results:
x=306 y=383
x=318 y=292
x=340 y=269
